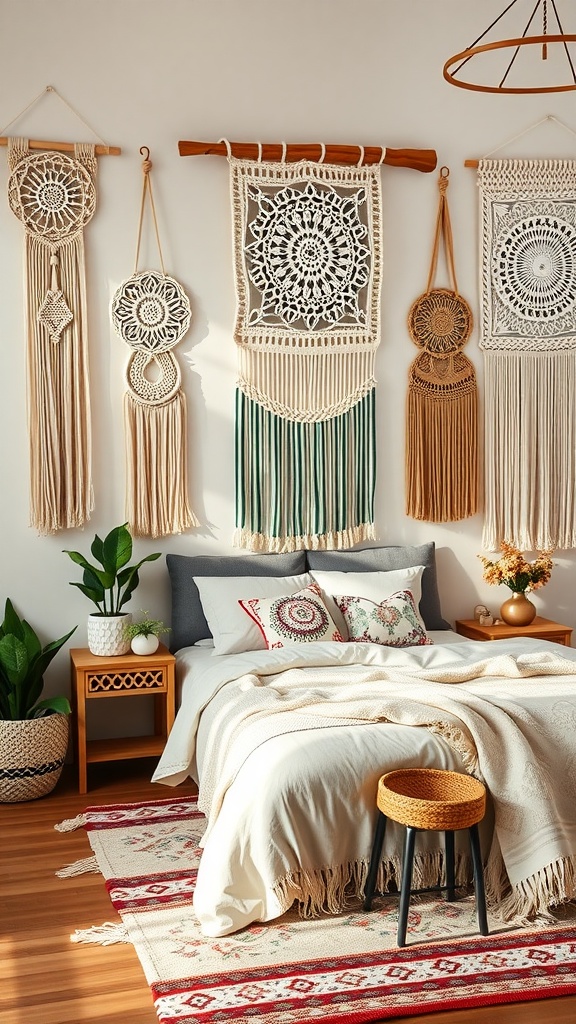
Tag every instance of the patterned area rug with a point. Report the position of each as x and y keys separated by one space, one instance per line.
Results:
x=338 y=970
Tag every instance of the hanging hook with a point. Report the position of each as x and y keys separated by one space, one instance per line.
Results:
x=147 y=164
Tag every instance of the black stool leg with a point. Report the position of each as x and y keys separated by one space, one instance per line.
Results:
x=374 y=860
x=478 y=879
x=406 y=885
x=450 y=879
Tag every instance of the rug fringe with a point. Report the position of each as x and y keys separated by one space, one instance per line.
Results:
x=84 y=866
x=106 y=934
x=70 y=824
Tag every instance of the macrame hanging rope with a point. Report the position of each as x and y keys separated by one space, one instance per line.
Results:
x=151 y=313
x=441 y=411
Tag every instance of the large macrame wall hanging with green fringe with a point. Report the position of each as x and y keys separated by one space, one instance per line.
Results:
x=151 y=313
x=54 y=196
x=442 y=401
x=528 y=253
x=307 y=246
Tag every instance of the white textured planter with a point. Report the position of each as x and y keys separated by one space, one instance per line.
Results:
x=32 y=754
x=106 y=634
x=145 y=644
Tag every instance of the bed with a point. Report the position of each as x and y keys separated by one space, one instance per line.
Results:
x=305 y=676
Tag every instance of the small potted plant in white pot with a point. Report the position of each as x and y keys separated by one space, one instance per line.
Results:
x=33 y=732
x=109 y=586
x=144 y=635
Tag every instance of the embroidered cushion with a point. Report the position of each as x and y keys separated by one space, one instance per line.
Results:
x=293 y=619
x=376 y=586
x=394 y=622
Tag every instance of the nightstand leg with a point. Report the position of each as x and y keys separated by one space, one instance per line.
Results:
x=81 y=735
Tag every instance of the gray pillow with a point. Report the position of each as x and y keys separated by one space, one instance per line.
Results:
x=383 y=560
x=188 y=620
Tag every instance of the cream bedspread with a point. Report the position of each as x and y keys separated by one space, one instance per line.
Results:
x=288 y=760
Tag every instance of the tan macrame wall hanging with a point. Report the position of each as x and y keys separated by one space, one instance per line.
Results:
x=442 y=401
x=528 y=253
x=151 y=313
x=53 y=194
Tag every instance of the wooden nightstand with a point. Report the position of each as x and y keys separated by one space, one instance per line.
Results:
x=540 y=629
x=122 y=676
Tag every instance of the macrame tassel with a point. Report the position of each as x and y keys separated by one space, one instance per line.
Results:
x=304 y=484
x=107 y=934
x=530 y=461
x=441 y=440
x=156 y=468
x=61 y=494
x=88 y=865
x=71 y=824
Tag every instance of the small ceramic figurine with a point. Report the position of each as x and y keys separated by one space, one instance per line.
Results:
x=486 y=620
x=479 y=610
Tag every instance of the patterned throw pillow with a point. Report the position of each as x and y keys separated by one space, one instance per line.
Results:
x=293 y=619
x=394 y=622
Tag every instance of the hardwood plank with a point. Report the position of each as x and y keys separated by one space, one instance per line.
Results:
x=49 y=979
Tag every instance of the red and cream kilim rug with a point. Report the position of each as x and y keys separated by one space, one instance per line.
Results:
x=337 y=970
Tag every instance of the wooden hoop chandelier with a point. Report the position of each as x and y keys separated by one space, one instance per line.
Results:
x=545 y=40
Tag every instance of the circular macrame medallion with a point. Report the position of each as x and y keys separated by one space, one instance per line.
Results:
x=298 y=618
x=440 y=321
x=52 y=194
x=534 y=267
x=151 y=312
x=153 y=379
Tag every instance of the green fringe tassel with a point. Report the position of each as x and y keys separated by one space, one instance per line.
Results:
x=304 y=485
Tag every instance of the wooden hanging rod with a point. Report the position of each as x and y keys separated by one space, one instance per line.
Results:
x=65 y=147
x=418 y=159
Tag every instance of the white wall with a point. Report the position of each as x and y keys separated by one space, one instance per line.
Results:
x=151 y=72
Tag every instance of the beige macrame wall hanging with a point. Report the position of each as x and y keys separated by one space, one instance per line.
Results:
x=151 y=313
x=53 y=194
x=528 y=254
x=442 y=401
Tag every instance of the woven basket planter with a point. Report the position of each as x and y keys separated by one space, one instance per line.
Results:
x=32 y=754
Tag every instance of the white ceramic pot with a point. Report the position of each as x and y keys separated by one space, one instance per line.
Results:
x=145 y=644
x=32 y=754
x=106 y=634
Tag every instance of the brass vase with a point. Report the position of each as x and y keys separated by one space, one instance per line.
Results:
x=518 y=610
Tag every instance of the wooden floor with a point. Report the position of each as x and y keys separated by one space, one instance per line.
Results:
x=47 y=979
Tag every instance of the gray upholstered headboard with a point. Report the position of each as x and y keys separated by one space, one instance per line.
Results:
x=189 y=623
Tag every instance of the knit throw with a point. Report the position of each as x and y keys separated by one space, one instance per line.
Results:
x=528 y=215
x=54 y=196
x=307 y=249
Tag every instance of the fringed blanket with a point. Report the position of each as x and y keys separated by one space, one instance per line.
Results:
x=511 y=721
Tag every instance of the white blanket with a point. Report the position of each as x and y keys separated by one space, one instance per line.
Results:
x=290 y=794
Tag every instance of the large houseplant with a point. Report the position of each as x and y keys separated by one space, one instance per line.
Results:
x=33 y=732
x=109 y=585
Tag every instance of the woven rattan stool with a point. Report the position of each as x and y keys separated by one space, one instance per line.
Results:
x=428 y=799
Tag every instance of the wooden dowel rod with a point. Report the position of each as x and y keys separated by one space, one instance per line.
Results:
x=65 y=147
x=471 y=163
x=417 y=159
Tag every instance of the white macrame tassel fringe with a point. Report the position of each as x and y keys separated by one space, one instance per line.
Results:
x=156 y=468
x=88 y=865
x=71 y=824
x=107 y=934
x=530 y=461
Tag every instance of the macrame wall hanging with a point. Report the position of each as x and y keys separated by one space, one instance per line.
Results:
x=307 y=247
x=528 y=252
x=442 y=403
x=53 y=194
x=151 y=313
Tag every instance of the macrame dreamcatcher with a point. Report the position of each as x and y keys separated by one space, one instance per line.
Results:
x=151 y=313
x=54 y=196
x=442 y=416
x=528 y=252
x=307 y=241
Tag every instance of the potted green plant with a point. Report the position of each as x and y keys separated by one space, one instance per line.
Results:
x=144 y=635
x=33 y=732
x=109 y=585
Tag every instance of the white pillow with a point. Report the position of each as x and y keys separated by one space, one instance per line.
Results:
x=234 y=631
x=373 y=586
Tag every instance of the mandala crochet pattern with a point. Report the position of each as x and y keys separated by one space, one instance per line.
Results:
x=308 y=261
